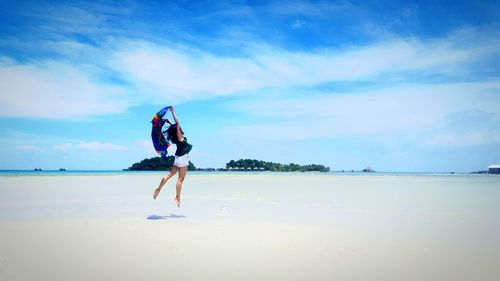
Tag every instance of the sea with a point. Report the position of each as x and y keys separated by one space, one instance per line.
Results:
x=122 y=172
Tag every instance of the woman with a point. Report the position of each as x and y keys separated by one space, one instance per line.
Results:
x=181 y=163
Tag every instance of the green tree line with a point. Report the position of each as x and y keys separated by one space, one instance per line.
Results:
x=157 y=164
x=270 y=166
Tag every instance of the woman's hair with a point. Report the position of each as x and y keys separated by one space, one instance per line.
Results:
x=172 y=133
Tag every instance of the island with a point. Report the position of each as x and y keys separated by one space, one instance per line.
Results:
x=157 y=164
x=164 y=164
x=258 y=165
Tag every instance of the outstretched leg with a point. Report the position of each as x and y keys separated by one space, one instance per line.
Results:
x=178 y=185
x=164 y=180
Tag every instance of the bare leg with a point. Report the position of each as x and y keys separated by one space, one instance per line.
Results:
x=164 y=180
x=178 y=185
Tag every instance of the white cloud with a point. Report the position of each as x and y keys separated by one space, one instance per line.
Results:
x=470 y=138
x=54 y=90
x=143 y=145
x=297 y=24
x=176 y=73
x=368 y=113
x=271 y=132
x=63 y=147
x=29 y=148
x=97 y=145
x=316 y=9
x=183 y=74
x=146 y=147
x=51 y=144
x=53 y=152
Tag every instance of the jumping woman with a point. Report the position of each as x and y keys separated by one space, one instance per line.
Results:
x=181 y=163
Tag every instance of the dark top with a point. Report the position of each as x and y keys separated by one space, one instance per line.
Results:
x=183 y=147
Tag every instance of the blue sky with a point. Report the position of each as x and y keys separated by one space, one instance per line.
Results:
x=396 y=85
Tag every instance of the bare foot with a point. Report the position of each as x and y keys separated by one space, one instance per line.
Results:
x=178 y=202
x=157 y=191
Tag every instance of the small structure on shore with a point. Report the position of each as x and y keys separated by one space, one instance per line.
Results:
x=368 y=169
x=206 y=169
x=494 y=169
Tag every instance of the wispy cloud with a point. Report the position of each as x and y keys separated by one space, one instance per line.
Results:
x=180 y=73
x=56 y=90
x=297 y=24
x=49 y=151
x=457 y=140
x=28 y=148
x=97 y=145
x=23 y=142
x=187 y=74
x=63 y=147
x=473 y=127
x=57 y=20
x=374 y=112
x=307 y=8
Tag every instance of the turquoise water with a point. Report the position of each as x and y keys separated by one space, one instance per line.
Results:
x=120 y=172
x=300 y=197
x=72 y=172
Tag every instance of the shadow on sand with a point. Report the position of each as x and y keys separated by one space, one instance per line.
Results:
x=165 y=217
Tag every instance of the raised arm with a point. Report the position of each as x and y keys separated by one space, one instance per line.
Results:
x=180 y=136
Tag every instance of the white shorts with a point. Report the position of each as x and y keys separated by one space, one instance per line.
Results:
x=181 y=161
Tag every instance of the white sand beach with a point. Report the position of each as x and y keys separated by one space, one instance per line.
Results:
x=251 y=227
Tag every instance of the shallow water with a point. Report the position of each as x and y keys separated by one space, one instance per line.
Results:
x=410 y=201
x=426 y=224
x=297 y=197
